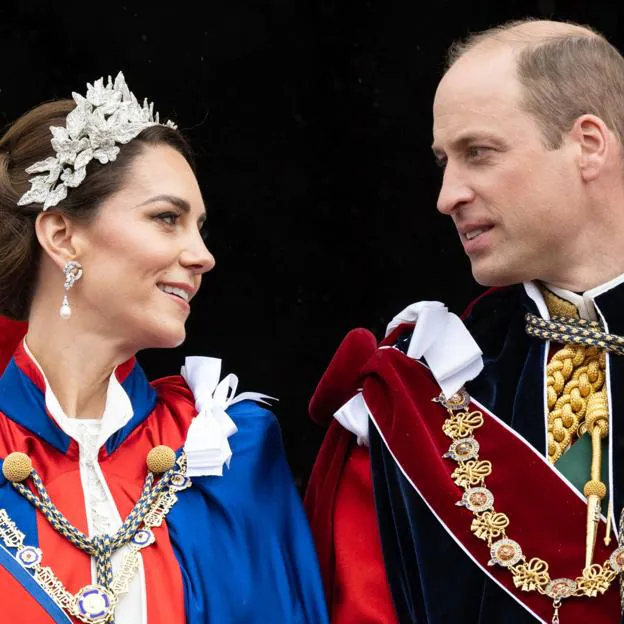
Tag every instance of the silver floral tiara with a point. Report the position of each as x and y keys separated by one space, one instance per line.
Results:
x=108 y=115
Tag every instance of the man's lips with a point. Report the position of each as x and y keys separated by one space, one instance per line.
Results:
x=474 y=237
x=471 y=231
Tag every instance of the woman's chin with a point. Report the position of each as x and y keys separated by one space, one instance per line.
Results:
x=166 y=339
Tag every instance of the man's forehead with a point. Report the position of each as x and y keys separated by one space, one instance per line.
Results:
x=485 y=69
x=482 y=86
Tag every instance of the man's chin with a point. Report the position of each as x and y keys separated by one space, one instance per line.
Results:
x=493 y=277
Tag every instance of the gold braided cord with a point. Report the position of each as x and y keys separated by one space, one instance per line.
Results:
x=577 y=398
x=573 y=374
x=597 y=424
x=572 y=331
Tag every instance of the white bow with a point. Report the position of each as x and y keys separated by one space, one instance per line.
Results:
x=207 y=448
x=441 y=338
x=353 y=416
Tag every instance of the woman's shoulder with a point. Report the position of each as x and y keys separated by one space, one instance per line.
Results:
x=220 y=422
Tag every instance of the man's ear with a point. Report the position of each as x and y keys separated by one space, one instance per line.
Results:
x=594 y=141
x=55 y=232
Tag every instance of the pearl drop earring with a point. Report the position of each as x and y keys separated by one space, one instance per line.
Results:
x=73 y=272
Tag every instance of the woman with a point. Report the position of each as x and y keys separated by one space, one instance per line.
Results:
x=123 y=500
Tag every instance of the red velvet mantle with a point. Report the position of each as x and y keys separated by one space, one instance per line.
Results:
x=547 y=516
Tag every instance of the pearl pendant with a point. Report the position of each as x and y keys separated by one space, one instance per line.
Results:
x=65 y=310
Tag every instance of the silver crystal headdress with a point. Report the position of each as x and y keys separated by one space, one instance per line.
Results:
x=107 y=116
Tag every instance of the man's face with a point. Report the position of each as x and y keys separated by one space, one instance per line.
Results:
x=516 y=204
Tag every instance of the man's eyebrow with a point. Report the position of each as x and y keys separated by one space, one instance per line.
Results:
x=463 y=141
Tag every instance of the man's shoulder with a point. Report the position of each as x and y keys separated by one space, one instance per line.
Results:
x=494 y=302
x=491 y=311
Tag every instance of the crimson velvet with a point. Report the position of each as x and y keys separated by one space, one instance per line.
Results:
x=436 y=568
x=11 y=332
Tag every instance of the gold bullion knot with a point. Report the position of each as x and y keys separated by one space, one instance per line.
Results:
x=462 y=424
x=17 y=467
x=596 y=580
x=160 y=459
x=530 y=575
x=471 y=472
x=489 y=525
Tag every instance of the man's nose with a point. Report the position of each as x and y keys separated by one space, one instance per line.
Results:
x=455 y=190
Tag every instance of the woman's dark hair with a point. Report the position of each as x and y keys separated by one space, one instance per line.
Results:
x=27 y=141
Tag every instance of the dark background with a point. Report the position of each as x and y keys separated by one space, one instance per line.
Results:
x=312 y=125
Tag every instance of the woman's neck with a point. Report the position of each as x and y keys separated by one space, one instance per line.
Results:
x=76 y=364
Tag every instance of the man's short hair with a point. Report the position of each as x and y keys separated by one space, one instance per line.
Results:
x=563 y=75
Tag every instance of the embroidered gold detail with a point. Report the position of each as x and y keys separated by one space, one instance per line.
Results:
x=558 y=306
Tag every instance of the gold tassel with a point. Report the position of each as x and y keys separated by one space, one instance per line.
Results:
x=597 y=423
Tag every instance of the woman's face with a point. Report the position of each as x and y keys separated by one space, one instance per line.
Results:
x=143 y=255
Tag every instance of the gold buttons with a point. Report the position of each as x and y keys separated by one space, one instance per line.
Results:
x=17 y=467
x=160 y=459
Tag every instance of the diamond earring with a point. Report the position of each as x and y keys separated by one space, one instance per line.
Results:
x=73 y=272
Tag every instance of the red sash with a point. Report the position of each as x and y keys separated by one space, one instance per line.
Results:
x=547 y=515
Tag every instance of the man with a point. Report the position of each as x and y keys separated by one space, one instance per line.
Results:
x=434 y=505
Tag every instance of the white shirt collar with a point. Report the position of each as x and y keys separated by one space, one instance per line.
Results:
x=117 y=411
x=585 y=302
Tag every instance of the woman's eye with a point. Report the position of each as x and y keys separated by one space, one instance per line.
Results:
x=170 y=218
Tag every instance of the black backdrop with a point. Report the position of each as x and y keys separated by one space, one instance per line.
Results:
x=312 y=124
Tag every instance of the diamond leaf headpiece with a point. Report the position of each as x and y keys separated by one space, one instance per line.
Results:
x=107 y=116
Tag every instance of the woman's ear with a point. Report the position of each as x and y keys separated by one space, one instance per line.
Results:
x=55 y=232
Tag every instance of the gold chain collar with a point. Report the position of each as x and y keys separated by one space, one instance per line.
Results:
x=491 y=526
x=94 y=603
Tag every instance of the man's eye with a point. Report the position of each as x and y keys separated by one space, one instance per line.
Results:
x=476 y=152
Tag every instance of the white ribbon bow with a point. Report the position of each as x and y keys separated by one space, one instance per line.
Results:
x=441 y=338
x=353 y=416
x=207 y=448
